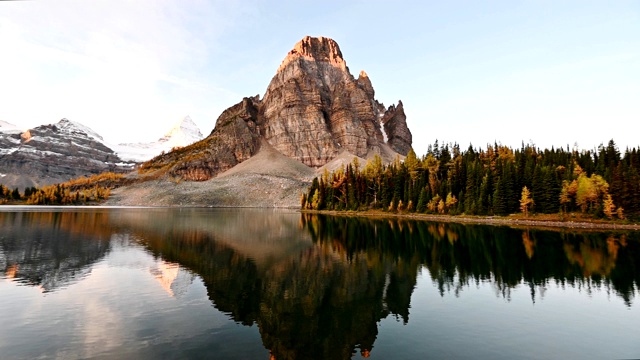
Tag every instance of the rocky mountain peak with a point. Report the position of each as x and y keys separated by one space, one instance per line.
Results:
x=313 y=110
x=53 y=153
x=316 y=49
x=365 y=83
x=74 y=128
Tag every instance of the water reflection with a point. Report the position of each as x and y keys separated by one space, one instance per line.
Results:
x=309 y=301
x=53 y=249
x=316 y=286
x=459 y=255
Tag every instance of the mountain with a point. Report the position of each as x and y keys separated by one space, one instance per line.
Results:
x=265 y=152
x=185 y=132
x=54 y=153
x=313 y=111
x=6 y=127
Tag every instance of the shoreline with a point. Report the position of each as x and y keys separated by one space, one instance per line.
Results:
x=484 y=220
x=556 y=224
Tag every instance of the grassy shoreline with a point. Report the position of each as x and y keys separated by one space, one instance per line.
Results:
x=554 y=221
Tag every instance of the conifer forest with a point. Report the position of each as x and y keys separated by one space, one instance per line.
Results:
x=497 y=180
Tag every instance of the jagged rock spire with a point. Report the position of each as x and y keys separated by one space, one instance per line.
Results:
x=312 y=111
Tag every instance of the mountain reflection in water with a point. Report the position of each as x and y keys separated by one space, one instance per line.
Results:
x=316 y=286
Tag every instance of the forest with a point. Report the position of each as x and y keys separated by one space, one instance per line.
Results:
x=497 y=180
x=79 y=191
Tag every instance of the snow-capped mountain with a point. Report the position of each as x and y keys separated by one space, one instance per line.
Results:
x=54 y=153
x=8 y=127
x=185 y=132
x=73 y=128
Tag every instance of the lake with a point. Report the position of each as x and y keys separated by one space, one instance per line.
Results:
x=148 y=283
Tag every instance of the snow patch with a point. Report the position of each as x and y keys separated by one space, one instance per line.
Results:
x=8 y=128
x=72 y=127
x=384 y=133
x=184 y=133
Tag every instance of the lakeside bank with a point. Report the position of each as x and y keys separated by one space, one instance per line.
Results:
x=517 y=222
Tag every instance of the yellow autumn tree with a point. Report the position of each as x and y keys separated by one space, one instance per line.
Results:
x=608 y=207
x=526 y=202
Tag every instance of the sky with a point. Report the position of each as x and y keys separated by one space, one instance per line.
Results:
x=549 y=73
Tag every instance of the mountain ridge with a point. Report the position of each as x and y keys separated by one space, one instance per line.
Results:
x=54 y=153
x=312 y=111
x=57 y=152
x=265 y=152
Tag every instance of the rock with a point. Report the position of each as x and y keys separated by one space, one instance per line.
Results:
x=395 y=125
x=312 y=111
x=54 y=153
x=233 y=140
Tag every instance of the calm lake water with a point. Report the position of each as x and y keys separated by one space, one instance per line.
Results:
x=249 y=284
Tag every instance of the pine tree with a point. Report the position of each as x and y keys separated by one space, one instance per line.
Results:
x=422 y=202
x=499 y=199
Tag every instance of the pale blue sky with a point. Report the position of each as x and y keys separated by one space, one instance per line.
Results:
x=550 y=72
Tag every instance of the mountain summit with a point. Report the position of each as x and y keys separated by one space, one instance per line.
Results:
x=53 y=153
x=183 y=133
x=313 y=110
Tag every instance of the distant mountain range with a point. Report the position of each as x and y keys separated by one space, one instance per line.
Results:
x=58 y=152
x=265 y=151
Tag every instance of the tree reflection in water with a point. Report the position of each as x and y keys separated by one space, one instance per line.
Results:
x=317 y=286
x=326 y=300
x=458 y=255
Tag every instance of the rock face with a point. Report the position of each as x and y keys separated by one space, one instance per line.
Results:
x=234 y=139
x=314 y=108
x=54 y=153
x=395 y=125
x=312 y=111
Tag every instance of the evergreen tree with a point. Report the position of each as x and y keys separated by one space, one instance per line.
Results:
x=499 y=198
x=422 y=202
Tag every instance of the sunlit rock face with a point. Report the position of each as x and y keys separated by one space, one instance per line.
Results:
x=313 y=110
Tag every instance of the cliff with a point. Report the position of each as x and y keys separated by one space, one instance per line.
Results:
x=312 y=111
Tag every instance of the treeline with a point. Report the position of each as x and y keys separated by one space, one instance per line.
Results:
x=78 y=191
x=7 y=194
x=497 y=180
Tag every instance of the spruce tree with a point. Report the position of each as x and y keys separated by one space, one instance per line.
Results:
x=422 y=202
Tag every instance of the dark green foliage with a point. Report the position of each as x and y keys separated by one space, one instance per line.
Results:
x=485 y=182
x=422 y=202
